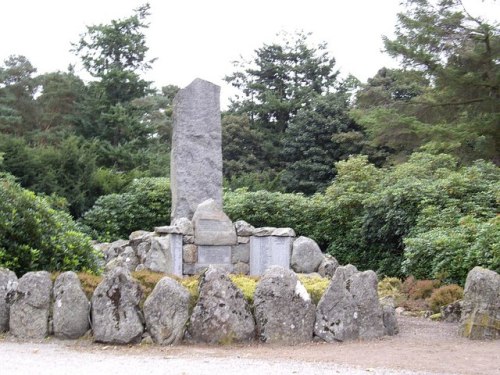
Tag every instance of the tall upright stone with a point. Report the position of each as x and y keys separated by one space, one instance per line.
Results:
x=196 y=160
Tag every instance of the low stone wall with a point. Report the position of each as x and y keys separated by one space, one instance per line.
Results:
x=282 y=311
x=187 y=247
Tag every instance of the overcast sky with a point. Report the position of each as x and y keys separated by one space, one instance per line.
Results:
x=201 y=38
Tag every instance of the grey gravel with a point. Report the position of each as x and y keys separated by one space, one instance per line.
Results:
x=56 y=358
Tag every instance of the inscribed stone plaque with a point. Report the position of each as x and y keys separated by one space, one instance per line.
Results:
x=214 y=254
x=269 y=251
x=212 y=226
x=196 y=161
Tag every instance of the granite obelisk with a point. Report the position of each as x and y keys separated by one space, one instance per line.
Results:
x=196 y=159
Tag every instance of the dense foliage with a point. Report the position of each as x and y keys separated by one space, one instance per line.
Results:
x=144 y=204
x=35 y=236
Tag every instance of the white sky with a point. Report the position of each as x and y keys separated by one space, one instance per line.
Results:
x=200 y=38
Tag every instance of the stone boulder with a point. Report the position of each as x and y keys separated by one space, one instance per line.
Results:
x=71 y=311
x=391 y=326
x=222 y=314
x=8 y=286
x=306 y=255
x=116 y=316
x=328 y=266
x=481 y=305
x=284 y=312
x=452 y=312
x=212 y=226
x=166 y=311
x=159 y=257
x=350 y=309
x=29 y=312
x=114 y=249
x=370 y=315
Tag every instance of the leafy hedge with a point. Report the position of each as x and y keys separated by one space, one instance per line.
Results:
x=144 y=204
x=34 y=236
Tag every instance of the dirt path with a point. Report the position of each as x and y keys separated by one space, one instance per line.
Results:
x=421 y=347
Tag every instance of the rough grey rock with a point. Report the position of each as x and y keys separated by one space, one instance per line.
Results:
x=243 y=228
x=196 y=160
x=200 y=268
x=142 y=250
x=328 y=266
x=264 y=231
x=130 y=259
x=221 y=314
x=185 y=226
x=284 y=312
x=8 y=286
x=114 y=249
x=370 y=316
x=391 y=326
x=350 y=309
x=306 y=255
x=136 y=237
x=241 y=268
x=166 y=311
x=242 y=239
x=116 y=316
x=240 y=253
x=71 y=311
x=29 y=312
x=168 y=229
x=188 y=239
x=283 y=232
x=212 y=226
x=451 y=313
x=336 y=314
x=190 y=253
x=481 y=305
x=159 y=258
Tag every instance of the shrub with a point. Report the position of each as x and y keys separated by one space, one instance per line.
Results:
x=423 y=289
x=306 y=215
x=144 y=204
x=34 y=236
x=444 y=296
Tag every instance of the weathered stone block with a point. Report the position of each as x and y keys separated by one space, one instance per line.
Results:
x=241 y=253
x=190 y=253
x=29 y=312
x=116 y=315
x=481 y=305
x=284 y=312
x=221 y=314
x=166 y=311
x=212 y=226
x=8 y=286
x=71 y=311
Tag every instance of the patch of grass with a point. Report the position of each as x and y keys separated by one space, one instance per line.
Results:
x=192 y=285
x=246 y=284
x=315 y=286
x=89 y=283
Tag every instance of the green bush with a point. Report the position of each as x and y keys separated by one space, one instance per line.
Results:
x=144 y=204
x=34 y=236
x=306 y=215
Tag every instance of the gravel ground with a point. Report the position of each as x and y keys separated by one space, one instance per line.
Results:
x=422 y=347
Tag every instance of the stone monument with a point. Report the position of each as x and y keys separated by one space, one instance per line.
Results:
x=196 y=160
